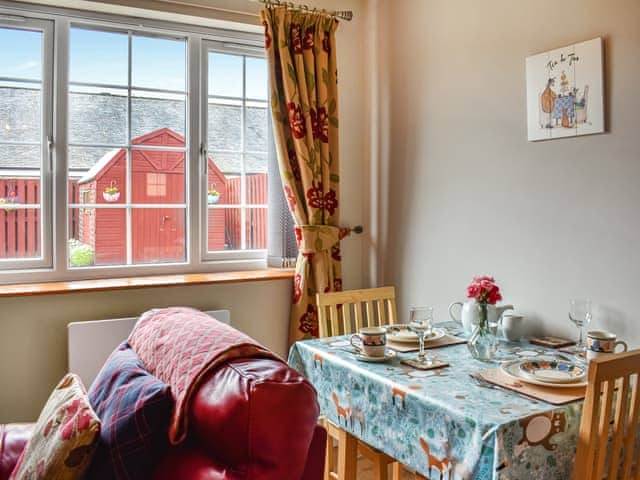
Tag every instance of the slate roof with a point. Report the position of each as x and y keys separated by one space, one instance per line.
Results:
x=102 y=118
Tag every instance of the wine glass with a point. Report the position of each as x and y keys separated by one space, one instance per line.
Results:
x=421 y=323
x=580 y=314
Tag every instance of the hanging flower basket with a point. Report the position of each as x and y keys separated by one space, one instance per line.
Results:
x=213 y=196
x=111 y=193
x=11 y=199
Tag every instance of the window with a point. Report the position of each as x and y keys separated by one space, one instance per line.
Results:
x=25 y=130
x=237 y=151
x=160 y=160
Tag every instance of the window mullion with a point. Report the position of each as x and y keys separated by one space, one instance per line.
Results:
x=129 y=163
x=195 y=228
x=60 y=136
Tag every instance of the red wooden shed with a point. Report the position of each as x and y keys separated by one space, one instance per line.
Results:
x=157 y=177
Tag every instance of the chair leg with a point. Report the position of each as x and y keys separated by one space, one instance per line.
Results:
x=380 y=468
x=329 y=459
x=347 y=456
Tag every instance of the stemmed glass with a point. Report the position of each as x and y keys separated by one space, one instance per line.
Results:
x=421 y=323
x=580 y=314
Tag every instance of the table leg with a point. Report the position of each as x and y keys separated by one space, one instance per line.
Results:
x=347 y=456
x=396 y=471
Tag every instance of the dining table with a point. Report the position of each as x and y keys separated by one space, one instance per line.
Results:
x=443 y=423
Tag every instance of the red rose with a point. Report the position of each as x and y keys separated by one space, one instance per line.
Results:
x=320 y=124
x=267 y=37
x=290 y=198
x=335 y=253
x=296 y=120
x=318 y=199
x=337 y=284
x=297 y=290
x=307 y=41
x=308 y=323
x=296 y=40
x=326 y=42
x=293 y=163
x=298 y=232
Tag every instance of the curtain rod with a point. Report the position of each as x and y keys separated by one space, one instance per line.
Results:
x=343 y=14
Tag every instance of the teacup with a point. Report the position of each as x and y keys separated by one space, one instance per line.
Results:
x=370 y=341
x=512 y=327
x=600 y=343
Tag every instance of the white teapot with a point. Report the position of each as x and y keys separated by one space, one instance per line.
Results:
x=470 y=315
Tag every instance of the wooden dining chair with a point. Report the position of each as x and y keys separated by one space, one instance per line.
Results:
x=341 y=313
x=609 y=426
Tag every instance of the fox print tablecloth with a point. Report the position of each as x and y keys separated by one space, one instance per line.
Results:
x=440 y=422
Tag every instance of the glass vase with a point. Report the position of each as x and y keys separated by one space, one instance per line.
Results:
x=483 y=342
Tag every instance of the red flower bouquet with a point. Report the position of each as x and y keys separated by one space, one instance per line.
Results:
x=484 y=290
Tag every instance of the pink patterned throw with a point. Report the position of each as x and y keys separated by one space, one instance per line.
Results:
x=180 y=346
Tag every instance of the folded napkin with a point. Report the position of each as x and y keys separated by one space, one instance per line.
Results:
x=445 y=341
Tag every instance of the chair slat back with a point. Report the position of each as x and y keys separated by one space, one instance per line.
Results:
x=370 y=307
x=608 y=442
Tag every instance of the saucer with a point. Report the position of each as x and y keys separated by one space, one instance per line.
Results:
x=401 y=334
x=388 y=355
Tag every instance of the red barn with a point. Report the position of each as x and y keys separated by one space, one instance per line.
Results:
x=157 y=177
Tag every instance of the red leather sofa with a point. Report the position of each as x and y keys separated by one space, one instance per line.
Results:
x=251 y=419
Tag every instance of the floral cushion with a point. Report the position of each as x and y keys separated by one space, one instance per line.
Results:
x=135 y=408
x=64 y=438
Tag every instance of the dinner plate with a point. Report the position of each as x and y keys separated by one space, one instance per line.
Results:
x=512 y=369
x=552 y=370
x=401 y=334
x=388 y=355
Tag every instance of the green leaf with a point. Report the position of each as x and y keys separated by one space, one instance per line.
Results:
x=334 y=177
x=311 y=81
x=292 y=72
x=332 y=106
x=325 y=76
x=333 y=121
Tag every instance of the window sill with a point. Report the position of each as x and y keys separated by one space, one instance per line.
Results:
x=127 y=283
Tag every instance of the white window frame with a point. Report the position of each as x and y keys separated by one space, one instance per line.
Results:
x=46 y=145
x=54 y=265
x=246 y=51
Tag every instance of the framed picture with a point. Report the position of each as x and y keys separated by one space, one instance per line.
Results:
x=565 y=91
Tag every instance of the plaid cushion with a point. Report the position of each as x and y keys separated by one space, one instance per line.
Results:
x=135 y=408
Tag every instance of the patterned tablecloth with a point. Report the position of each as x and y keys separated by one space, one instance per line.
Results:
x=440 y=422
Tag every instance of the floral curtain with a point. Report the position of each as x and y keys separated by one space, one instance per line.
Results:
x=304 y=103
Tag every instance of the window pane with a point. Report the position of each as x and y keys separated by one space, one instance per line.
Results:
x=229 y=164
x=19 y=227
x=18 y=162
x=157 y=176
x=98 y=57
x=257 y=189
x=98 y=116
x=225 y=75
x=256 y=121
x=158 y=235
x=256 y=163
x=23 y=59
x=256 y=225
x=20 y=112
x=225 y=127
x=21 y=107
x=151 y=113
x=158 y=63
x=232 y=228
x=83 y=159
x=97 y=236
x=256 y=78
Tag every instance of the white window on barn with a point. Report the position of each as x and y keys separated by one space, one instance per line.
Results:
x=26 y=60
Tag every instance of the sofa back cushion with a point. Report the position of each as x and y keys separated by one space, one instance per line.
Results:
x=135 y=408
x=64 y=438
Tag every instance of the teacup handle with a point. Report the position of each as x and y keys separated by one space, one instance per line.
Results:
x=357 y=347
x=624 y=345
x=457 y=320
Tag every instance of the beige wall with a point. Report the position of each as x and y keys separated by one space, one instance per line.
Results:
x=33 y=329
x=468 y=194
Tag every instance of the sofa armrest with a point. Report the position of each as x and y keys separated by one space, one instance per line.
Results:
x=314 y=469
x=13 y=439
